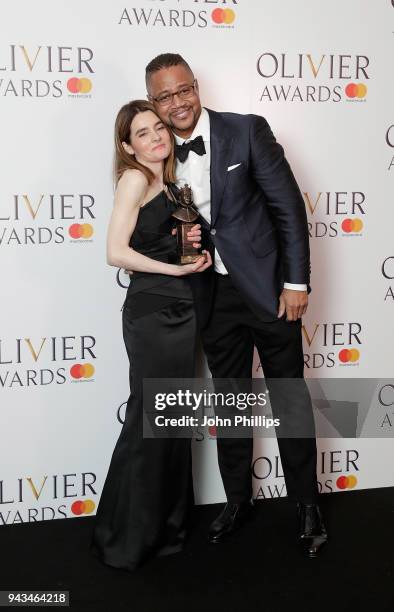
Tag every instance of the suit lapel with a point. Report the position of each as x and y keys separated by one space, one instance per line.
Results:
x=221 y=146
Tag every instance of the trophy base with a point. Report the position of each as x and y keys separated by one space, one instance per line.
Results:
x=188 y=259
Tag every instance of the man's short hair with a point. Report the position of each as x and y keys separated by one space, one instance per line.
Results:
x=165 y=60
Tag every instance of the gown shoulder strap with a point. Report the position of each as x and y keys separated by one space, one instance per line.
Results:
x=173 y=191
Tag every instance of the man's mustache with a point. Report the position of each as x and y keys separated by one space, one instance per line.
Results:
x=180 y=110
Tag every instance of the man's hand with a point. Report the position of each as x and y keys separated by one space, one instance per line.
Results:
x=294 y=303
x=194 y=235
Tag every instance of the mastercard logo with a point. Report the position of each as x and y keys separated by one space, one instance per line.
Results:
x=80 y=230
x=212 y=431
x=76 y=85
x=349 y=355
x=356 y=90
x=352 y=225
x=79 y=370
x=346 y=482
x=83 y=507
x=223 y=16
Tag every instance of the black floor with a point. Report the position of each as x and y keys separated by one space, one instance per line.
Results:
x=259 y=569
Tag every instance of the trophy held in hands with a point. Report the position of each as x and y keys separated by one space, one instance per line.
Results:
x=185 y=216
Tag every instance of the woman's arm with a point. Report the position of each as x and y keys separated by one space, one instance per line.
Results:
x=129 y=195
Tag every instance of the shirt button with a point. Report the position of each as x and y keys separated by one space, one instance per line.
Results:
x=213 y=232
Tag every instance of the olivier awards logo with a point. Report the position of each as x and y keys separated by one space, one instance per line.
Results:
x=121 y=413
x=200 y=15
x=28 y=220
x=329 y=345
x=333 y=214
x=45 y=71
x=386 y=401
x=312 y=77
x=333 y=468
x=27 y=499
x=264 y=468
x=390 y=144
x=387 y=270
x=27 y=362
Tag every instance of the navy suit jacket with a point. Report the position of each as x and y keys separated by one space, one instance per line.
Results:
x=258 y=218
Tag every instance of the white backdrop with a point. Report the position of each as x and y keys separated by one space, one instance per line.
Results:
x=321 y=73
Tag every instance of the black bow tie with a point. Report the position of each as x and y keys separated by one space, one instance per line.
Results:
x=196 y=145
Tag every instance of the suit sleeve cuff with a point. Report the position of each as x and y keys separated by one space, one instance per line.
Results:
x=295 y=287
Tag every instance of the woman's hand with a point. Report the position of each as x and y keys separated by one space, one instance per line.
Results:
x=200 y=265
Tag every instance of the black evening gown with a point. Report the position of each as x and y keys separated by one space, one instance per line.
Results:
x=148 y=491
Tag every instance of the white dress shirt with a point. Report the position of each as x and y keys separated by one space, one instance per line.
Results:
x=196 y=171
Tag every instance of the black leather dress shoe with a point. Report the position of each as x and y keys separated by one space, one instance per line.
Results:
x=312 y=531
x=229 y=520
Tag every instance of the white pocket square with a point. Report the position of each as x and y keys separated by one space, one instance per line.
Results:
x=232 y=167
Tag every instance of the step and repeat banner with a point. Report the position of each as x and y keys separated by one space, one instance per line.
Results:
x=321 y=74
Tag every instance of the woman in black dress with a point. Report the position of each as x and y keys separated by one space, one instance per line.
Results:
x=146 y=495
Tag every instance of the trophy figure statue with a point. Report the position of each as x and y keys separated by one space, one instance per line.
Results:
x=185 y=216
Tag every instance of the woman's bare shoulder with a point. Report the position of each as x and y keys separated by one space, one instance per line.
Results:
x=132 y=186
x=133 y=178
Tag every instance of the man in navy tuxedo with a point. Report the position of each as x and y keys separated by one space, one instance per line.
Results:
x=254 y=223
